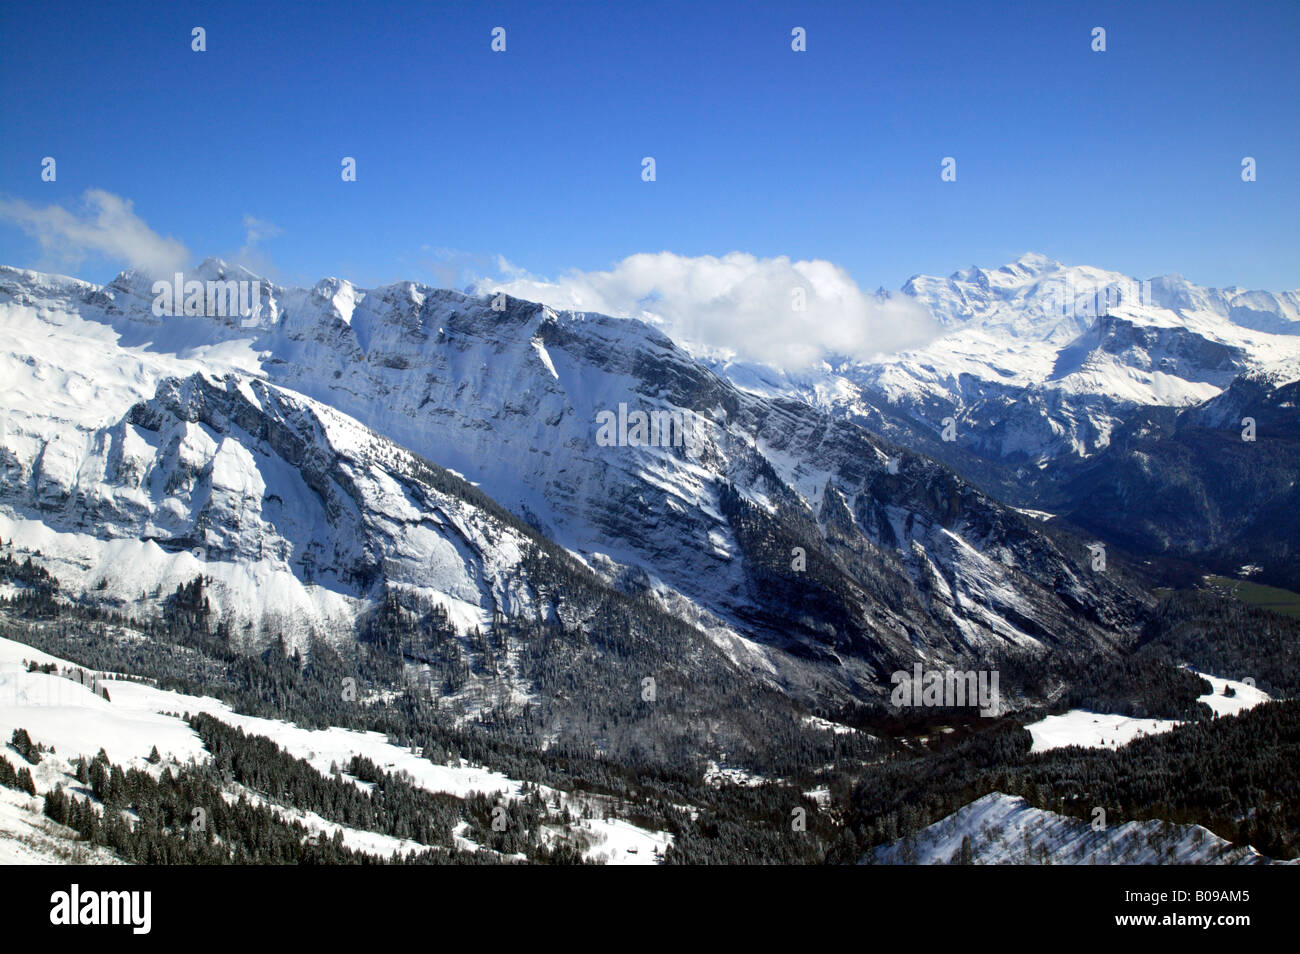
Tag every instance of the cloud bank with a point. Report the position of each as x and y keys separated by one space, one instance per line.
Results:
x=771 y=310
x=105 y=225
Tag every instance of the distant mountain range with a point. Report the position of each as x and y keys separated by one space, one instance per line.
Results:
x=1113 y=402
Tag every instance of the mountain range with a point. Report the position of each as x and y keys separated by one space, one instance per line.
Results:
x=1114 y=404
x=339 y=447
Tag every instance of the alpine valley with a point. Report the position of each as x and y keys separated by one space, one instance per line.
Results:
x=359 y=568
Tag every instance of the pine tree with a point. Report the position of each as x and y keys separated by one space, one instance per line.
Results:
x=56 y=805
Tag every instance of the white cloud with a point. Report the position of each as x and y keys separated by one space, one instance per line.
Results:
x=105 y=225
x=258 y=229
x=250 y=255
x=457 y=268
x=739 y=304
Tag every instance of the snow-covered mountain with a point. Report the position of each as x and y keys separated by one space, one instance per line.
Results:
x=1042 y=359
x=1004 y=829
x=1114 y=403
x=134 y=469
x=291 y=447
x=1040 y=362
x=456 y=494
x=1217 y=483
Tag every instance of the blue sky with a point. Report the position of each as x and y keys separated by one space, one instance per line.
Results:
x=1128 y=159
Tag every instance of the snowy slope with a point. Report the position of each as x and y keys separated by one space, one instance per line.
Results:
x=133 y=468
x=27 y=837
x=1006 y=830
x=72 y=719
x=1096 y=730
x=67 y=717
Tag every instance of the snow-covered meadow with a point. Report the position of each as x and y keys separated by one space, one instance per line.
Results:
x=1096 y=730
x=64 y=715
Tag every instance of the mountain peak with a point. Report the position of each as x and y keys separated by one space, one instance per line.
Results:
x=1029 y=265
x=216 y=269
x=1035 y=262
x=210 y=269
